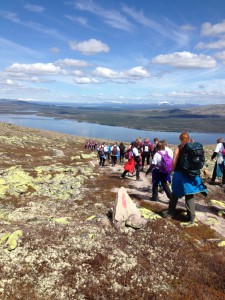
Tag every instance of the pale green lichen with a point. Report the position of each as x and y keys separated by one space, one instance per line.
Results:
x=63 y=220
x=212 y=221
x=3 y=215
x=148 y=214
x=90 y=218
x=9 y=240
x=87 y=156
x=54 y=181
x=221 y=244
x=217 y=203
x=4 y=237
x=221 y=213
x=189 y=224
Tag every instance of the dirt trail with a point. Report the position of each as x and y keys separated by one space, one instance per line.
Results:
x=140 y=191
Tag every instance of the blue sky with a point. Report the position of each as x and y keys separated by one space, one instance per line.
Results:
x=143 y=51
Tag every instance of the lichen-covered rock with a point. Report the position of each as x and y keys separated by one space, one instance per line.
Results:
x=221 y=244
x=212 y=221
x=62 y=220
x=58 y=153
x=9 y=240
x=217 y=203
x=148 y=214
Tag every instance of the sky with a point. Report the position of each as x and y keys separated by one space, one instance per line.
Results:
x=132 y=51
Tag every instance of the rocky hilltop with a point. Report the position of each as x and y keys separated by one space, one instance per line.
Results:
x=58 y=241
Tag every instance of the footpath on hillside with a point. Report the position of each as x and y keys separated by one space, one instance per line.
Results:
x=210 y=210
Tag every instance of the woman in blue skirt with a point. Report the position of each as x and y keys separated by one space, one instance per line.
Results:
x=184 y=185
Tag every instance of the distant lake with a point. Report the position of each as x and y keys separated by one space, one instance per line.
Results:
x=91 y=130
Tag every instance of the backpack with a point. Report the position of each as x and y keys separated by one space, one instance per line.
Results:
x=193 y=159
x=114 y=151
x=122 y=147
x=166 y=163
x=101 y=151
x=146 y=147
x=128 y=154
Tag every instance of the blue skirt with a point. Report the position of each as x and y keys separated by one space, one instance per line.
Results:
x=185 y=185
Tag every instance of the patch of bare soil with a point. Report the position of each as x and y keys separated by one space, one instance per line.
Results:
x=57 y=240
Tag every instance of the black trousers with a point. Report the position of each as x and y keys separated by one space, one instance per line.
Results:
x=145 y=156
x=189 y=204
x=121 y=156
x=165 y=188
x=101 y=161
x=114 y=159
x=137 y=168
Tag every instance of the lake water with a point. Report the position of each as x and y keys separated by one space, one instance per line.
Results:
x=102 y=131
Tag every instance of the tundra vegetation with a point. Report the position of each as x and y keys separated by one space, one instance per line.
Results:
x=57 y=240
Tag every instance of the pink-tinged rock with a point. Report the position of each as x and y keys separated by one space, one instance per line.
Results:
x=125 y=211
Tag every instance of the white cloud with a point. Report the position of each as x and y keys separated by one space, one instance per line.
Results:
x=37 y=68
x=186 y=60
x=34 y=8
x=85 y=80
x=78 y=73
x=92 y=46
x=137 y=72
x=213 y=45
x=213 y=30
x=68 y=62
x=106 y=73
x=9 y=81
x=220 y=55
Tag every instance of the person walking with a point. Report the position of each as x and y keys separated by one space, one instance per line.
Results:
x=219 y=169
x=122 y=151
x=184 y=184
x=115 y=150
x=146 y=150
x=130 y=165
x=137 y=157
x=161 y=167
x=102 y=150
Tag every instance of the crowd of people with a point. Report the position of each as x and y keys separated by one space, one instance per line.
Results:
x=176 y=172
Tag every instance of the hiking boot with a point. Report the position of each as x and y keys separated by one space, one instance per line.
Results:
x=167 y=214
x=154 y=199
x=212 y=182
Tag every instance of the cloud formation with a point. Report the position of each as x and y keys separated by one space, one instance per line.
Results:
x=213 y=30
x=90 y=47
x=185 y=60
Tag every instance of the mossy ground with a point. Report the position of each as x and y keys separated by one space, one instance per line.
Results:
x=90 y=259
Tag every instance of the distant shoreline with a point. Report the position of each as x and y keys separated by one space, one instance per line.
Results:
x=200 y=119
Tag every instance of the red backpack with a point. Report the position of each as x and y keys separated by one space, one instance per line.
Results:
x=114 y=151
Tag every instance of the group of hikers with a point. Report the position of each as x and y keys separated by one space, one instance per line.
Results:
x=111 y=153
x=184 y=163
